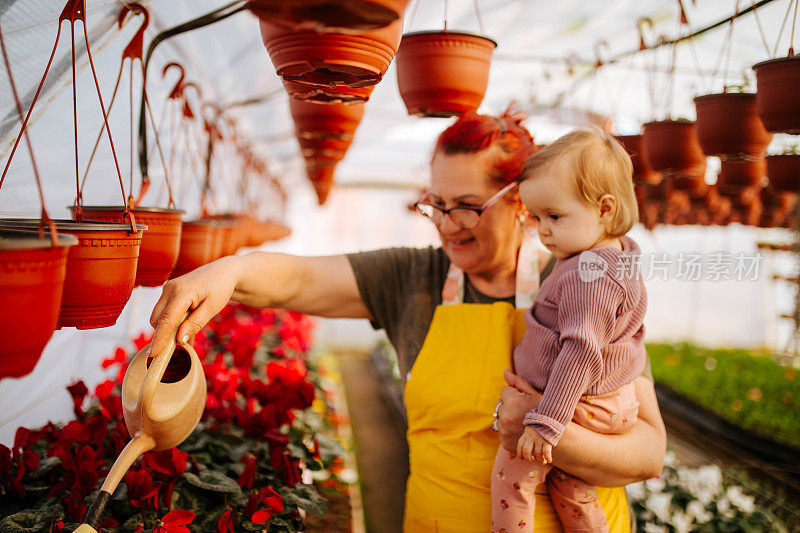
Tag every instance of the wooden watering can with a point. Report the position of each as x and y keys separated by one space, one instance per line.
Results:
x=162 y=400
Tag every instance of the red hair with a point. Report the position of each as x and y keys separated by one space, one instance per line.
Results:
x=473 y=133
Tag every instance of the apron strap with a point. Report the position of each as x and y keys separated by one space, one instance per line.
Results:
x=527 y=284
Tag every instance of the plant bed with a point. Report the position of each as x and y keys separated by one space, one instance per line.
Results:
x=752 y=390
x=240 y=470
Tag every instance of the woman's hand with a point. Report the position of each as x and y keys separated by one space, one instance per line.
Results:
x=204 y=292
x=518 y=397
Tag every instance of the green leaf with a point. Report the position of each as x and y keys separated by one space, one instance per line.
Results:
x=305 y=497
x=329 y=448
x=45 y=466
x=23 y=521
x=214 y=481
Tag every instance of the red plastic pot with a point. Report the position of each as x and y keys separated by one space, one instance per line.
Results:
x=321 y=175
x=328 y=95
x=778 y=84
x=32 y=273
x=197 y=246
x=671 y=148
x=325 y=120
x=332 y=59
x=443 y=73
x=160 y=244
x=329 y=15
x=728 y=126
x=642 y=172
x=267 y=231
x=784 y=172
x=100 y=273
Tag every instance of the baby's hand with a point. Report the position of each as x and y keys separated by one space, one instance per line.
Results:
x=533 y=447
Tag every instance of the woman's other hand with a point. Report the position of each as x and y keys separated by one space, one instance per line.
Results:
x=518 y=398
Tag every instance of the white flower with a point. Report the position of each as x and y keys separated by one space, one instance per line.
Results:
x=670 y=459
x=704 y=483
x=655 y=484
x=348 y=475
x=320 y=475
x=681 y=522
x=652 y=528
x=698 y=512
x=724 y=508
x=741 y=500
x=660 y=505
x=636 y=491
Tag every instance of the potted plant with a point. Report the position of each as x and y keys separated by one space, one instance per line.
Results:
x=777 y=81
x=671 y=148
x=736 y=175
x=443 y=73
x=642 y=171
x=728 y=126
x=784 y=172
x=340 y=94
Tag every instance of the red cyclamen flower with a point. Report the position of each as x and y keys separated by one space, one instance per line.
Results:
x=175 y=522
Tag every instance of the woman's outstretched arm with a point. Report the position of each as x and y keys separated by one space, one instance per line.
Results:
x=324 y=286
x=604 y=460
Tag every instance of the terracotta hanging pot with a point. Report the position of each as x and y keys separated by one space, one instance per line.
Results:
x=777 y=82
x=443 y=73
x=642 y=172
x=197 y=246
x=728 y=126
x=778 y=208
x=737 y=175
x=268 y=231
x=325 y=120
x=784 y=172
x=100 y=270
x=32 y=274
x=160 y=243
x=328 y=95
x=321 y=175
x=329 y=15
x=671 y=148
x=332 y=59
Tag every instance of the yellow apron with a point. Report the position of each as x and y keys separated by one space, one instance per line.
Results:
x=450 y=395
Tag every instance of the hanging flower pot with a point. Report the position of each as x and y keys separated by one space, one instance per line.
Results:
x=778 y=207
x=160 y=243
x=728 y=126
x=443 y=73
x=197 y=246
x=32 y=274
x=100 y=270
x=777 y=82
x=329 y=15
x=734 y=176
x=318 y=120
x=332 y=59
x=324 y=144
x=328 y=95
x=320 y=173
x=268 y=231
x=784 y=172
x=642 y=172
x=671 y=148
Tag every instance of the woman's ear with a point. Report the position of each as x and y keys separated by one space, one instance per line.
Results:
x=608 y=208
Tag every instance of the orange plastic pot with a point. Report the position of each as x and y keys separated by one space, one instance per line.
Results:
x=728 y=126
x=331 y=59
x=671 y=148
x=100 y=273
x=160 y=243
x=784 y=172
x=778 y=82
x=329 y=15
x=642 y=172
x=328 y=95
x=321 y=175
x=197 y=246
x=737 y=175
x=267 y=231
x=443 y=73
x=320 y=120
x=32 y=273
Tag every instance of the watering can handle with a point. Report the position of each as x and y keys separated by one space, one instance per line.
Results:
x=157 y=368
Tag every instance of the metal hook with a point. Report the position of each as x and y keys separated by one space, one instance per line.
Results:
x=135 y=47
x=639 y=23
x=73 y=10
x=187 y=109
x=597 y=46
x=177 y=91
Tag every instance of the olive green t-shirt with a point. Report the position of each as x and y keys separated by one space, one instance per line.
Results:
x=402 y=287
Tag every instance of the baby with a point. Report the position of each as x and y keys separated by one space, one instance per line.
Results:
x=584 y=338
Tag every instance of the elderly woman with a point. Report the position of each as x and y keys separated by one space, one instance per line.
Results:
x=454 y=315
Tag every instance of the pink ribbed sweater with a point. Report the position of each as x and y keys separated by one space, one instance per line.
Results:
x=583 y=335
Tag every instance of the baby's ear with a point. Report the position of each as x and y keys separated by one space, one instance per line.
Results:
x=608 y=207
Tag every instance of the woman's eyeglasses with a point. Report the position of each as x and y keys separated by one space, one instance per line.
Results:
x=464 y=217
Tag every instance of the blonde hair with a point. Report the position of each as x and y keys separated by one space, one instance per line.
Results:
x=596 y=165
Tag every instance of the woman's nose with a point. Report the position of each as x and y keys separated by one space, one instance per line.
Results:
x=447 y=225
